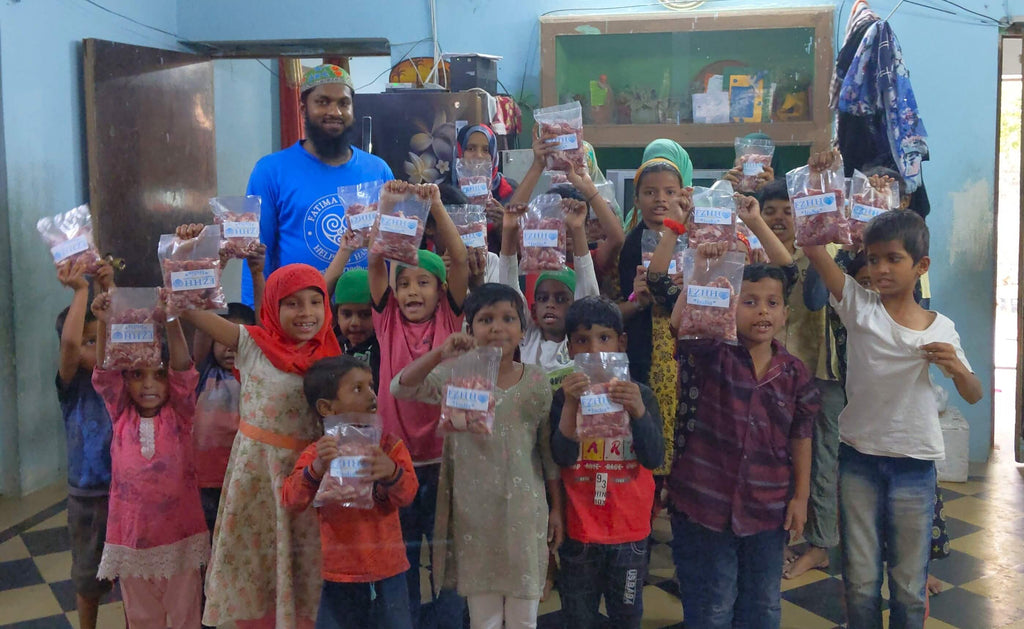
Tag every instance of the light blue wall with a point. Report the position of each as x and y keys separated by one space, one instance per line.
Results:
x=44 y=144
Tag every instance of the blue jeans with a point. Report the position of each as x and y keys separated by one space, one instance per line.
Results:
x=380 y=605
x=589 y=571
x=726 y=580
x=448 y=609
x=886 y=507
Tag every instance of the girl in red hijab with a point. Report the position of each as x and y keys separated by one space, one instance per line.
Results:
x=265 y=569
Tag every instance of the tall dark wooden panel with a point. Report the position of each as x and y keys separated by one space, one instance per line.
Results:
x=151 y=144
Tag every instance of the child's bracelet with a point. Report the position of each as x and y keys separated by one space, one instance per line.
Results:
x=593 y=196
x=675 y=226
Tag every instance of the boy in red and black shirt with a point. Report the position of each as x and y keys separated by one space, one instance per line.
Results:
x=608 y=482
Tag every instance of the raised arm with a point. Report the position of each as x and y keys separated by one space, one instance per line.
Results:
x=418 y=370
x=542 y=147
x=74 y=323
x=348 y=244
x=826 y=266
x=608 y=251
x=448 y=235
x=749 y=210
x=256 y=261
x=217 y=328
x=177 y=348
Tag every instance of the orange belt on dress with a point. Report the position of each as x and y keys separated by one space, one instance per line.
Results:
x=271 y=438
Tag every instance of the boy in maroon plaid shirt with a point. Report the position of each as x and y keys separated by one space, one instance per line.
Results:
x=740 y=487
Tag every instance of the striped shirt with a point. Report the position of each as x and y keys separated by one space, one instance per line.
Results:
x=736 y=472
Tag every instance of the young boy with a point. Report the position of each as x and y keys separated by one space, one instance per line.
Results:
x=608 y=482
x=889 y=429
x=364 y=562
x=740 y=488
x=89 y=431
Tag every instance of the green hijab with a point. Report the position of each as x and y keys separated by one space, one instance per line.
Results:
x=665 y=149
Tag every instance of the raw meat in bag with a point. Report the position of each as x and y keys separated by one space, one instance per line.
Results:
x=475 y=179
x=565 y=122
x=819 y=199
x=239 y=219
x=713 y=219
x=346 y=482
x=471 y=221
x=191 y=270
x=135 y=329
x=403 y=212
x=468 y=398
x=868 y=201
x=69 y=237
x=707 y=307
x=753 y=155
x=599 y=417
x=649 y=242
x=542 y=235
x=360 y=203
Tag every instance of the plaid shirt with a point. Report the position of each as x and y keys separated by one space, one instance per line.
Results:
x=736 y=473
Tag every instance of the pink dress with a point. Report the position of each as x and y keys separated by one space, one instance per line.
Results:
x=402 y=342
x=155 y=526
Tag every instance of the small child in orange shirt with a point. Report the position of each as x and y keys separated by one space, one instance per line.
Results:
x=364 y=560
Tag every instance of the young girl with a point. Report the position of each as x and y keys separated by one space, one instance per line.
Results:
x=422 y=309
x=491 y=510
x=479 y=142
x=265 y=570
x=156 y=536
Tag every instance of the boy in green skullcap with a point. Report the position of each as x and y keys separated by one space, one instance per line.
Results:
x=353 y=318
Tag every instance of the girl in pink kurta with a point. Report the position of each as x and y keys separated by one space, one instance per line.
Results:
x=156 y=534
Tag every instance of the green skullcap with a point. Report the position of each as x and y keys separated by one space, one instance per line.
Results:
x=353 y=287
x=431 y=263
x=324 y=74
x=565 y=276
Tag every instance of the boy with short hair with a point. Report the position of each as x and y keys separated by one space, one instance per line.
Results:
x=608 y=482
x=740 y=488
x=89 y=432
x=890 y=427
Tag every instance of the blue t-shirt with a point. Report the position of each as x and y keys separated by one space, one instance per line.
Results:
x=301 y=215
x=88 y=428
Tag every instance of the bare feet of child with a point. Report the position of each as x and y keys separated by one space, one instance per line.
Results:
x=813 y=559
x=789 y=555
x=934 y=585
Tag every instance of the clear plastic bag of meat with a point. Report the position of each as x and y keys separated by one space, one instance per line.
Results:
x=542 y=235
x=474 y=177
x=565 y=122
x=191 y=270
x=360 y=203
x=868 y=201
x=239 y=220
x=467 y=400
x=753 y=155
x=757 y=252
x=69 y=237
x=707 y=307
x=403 y=211
x=649 y=242
x=819 y=200
x=471 y=221
x=135 y=330
x=713 y=218
x=599 y=417
x=346 y=483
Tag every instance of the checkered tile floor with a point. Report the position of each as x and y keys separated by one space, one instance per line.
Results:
x=983 y=577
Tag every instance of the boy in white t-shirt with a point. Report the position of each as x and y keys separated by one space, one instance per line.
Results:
x=889 y=430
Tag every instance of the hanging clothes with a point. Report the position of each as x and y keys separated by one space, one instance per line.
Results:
x=861 y=17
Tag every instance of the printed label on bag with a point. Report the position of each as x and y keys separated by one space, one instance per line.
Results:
x=246 y=229
x=399 y=225
x=131 y=333
x=540 y=237
x=708 y=296
x=673 y=268
x=362 y=221
x=475 y=239
x=712 y=216
x=817 y=204
x=193 y=280
x=467 y=399
x=475 y=189
x=350 y=466
x=752 y=168
x=864 y=213
x=69 y=248
x=567 y=142
x=598 y=405
x=600 y=488
x=755 y=242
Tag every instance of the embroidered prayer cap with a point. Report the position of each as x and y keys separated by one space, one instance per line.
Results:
x=324 y=74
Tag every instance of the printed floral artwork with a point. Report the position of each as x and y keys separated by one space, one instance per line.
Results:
x=431 y=150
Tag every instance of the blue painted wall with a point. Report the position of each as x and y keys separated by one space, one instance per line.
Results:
x=44 y=145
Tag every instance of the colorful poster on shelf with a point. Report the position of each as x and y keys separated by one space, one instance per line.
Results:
x=746 y=98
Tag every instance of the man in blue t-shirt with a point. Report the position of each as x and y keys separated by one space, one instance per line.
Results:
x=301 y=215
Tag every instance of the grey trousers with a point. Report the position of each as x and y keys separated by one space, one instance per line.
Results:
x=822 y=528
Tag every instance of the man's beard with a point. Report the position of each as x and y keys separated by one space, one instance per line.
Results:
x=328 y=146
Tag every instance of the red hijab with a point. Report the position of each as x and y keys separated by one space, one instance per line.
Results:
x=283 y=352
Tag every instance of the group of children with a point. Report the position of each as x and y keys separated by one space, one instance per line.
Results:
x=230 y=440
